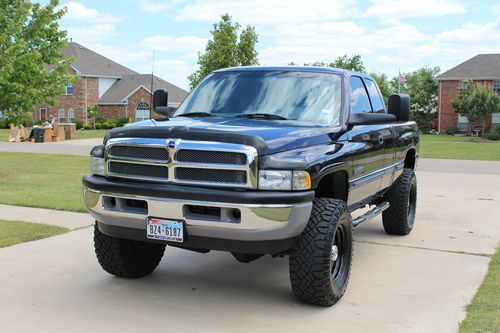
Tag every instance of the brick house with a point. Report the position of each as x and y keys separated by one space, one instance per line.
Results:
x=484 y=69
x=116 y=89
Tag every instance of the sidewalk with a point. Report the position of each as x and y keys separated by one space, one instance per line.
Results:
x=58 y=218
x=73 y=147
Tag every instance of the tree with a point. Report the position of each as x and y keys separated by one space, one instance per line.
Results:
x=93 y=112
x=422 y=87
x=225 y=49
x=32 y=70
x=476 y=102
x=353 y=63
x=383 y=83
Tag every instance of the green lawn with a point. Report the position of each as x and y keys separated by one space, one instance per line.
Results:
x=483 y=314
x=90 y=134
x=13 y=232
x=458 y=147
x=43 y=180
x=80 y=134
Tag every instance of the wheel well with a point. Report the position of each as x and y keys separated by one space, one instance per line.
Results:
x=410 y=159
x=334 y=185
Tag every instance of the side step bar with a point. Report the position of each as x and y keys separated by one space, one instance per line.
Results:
x=371 y=213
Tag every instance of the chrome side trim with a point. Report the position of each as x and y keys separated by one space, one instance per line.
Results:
x=374 y=175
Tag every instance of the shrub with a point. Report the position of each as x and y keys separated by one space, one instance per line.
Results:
x=121 y=121
x=98 y=126
x=79 y=124
x=452 y=130
x=4 y=123
x=87 y=127
x=494 y=134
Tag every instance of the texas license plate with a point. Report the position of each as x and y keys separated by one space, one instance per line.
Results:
x=168 y=230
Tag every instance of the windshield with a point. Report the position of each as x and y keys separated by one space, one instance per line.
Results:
x=301 y=96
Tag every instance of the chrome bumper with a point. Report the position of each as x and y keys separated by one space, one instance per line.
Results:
x=245 y=222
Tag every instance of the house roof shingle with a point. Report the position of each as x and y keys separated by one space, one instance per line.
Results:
x=123 y=88
x=90 y=63
x=480 y=67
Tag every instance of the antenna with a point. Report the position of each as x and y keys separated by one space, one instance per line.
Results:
x=152 y=76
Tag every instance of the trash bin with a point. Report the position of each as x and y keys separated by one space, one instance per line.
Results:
x=39 y=134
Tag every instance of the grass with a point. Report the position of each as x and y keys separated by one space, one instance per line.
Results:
x=458 y=147
x=43 y=180
x=13 y=232
x=483 y=314
x=90 y=134
x=80 y=134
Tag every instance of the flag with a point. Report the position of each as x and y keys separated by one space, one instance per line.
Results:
x=402 y=79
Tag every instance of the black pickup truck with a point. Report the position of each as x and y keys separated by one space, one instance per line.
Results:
x=257 y=160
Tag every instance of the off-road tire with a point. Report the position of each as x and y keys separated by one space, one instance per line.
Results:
x=399 y=218
x=126 y=258
x=314 y=276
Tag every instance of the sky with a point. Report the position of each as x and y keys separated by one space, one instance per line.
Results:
x=390 y=35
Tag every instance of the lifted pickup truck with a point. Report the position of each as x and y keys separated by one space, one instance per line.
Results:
x=257 y=160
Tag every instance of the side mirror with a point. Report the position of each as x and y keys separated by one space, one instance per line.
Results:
x=399 y=105
x=160 y=102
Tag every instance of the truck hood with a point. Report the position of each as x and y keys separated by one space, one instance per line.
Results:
x=267 y=136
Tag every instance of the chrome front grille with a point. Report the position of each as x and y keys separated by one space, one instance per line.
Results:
x=182 y=161
x=146 y=171
x=159 y=154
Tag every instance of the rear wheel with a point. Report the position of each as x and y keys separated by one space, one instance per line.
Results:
x=399 y=218
x=320 y=261
x=126 y=258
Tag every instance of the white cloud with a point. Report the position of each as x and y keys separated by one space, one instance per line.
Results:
x=166 y=43
x=92 y=33
x=154 y=6
x=398 y=9
x=78 y=11
x=266 y=11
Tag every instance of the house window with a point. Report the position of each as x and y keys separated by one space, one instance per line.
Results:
x=60 y=115
x=495 y=120
x=71 y=115
x=142 y=111
x=463 y=123
x=69 y=88
x=496 y=86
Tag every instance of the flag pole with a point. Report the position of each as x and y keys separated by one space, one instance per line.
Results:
x=399 y=81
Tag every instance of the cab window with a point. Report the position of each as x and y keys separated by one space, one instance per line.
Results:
x=360 y=103
x=375 y=96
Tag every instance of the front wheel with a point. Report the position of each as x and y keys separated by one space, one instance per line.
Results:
x=124 y=257
x=320 y=261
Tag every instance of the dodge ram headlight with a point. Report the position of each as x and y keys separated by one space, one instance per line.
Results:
x=97 y=160
x=284 y=180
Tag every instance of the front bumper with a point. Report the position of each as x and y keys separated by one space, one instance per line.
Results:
x=247 y=216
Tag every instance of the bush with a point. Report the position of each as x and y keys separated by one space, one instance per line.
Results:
x=87 y=127
x=98 y=126
x=4 y=123
x=452 y=130
x=121 y=121
x=78 y=124
x=494 y=134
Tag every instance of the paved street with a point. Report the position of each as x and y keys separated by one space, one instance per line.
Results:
x=73 y=147
x=417 y=283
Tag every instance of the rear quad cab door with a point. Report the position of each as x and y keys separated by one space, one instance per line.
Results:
x=368 y=143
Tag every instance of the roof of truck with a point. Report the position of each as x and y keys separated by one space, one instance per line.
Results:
x=289 y=68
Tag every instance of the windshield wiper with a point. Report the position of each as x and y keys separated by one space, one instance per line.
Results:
x=262 y=116
x=196 y=114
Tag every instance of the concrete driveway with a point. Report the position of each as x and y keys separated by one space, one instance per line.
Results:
x=417 y=283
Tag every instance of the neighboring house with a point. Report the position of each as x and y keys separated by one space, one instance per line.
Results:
x=484 y=69
x=116 y=89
